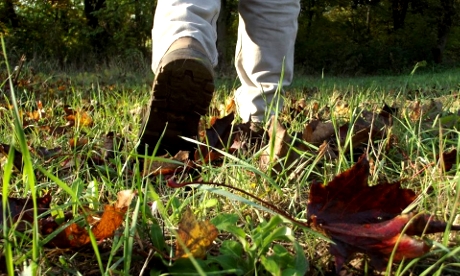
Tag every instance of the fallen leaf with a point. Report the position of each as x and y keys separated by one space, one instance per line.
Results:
x=387 y=113
x=38 y=114
x=448 y=159
x=57 y=131
x=361 y=135
x=48 y=154
x=112 y=143
x=296 y=108
x=17 y=161
x=282 y=151
x=18 y=206
x=341 y=108
x=78 y=117
x=348 y=197
x=377 y=240
x=368 y=219
x=316 y=132
x=416 y=111
x=196 y=235
x=216 y=136
x=75 y=236
x=326 y=151
x=248 y=137
x=167 y=166
x=78 y=143
x=230 y=106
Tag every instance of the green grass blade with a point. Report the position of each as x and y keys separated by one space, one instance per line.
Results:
x=28 y=173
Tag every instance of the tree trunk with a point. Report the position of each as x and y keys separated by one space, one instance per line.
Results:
x=97 y=39
x=445 y=22
x=222 y=35
x=9 y=16
x=399 y=11
x=92 y=6
x=310 y=11
x=368 y=18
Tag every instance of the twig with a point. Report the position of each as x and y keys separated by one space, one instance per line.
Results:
x=173 y=184
x=17 y=70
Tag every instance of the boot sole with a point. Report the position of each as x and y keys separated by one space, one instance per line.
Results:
x=181 y=93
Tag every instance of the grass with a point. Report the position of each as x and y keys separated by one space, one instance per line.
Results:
x=257 y=241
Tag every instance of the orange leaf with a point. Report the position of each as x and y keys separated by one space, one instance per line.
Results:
x=197 y=236
x=38 y=114
x=231 y=106
x=112 y=218
x=78 y=143
x=78 y=117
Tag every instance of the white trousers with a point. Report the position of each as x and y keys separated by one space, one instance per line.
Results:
x=264 y=52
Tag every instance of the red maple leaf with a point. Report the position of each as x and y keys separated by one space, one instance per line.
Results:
x=367 y=219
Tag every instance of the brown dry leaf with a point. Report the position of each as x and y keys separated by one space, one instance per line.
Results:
x=112 y=143
x=279 y=142
x=17 y=206
x=196 y=235
x=416 y=111
x=215 y=137
x=361 y=135
x=426 y=110
x=317 y=132
x=17 y=161
x=326 y=151
x=379 y=120
x=47 y=154
x=57 y=131
x=298 y=107
x=78 y=143
x=76 y=236
x=168 y=165
x=283 y=147
x=448 y=159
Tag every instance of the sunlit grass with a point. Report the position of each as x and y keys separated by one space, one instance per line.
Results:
x=116 y=107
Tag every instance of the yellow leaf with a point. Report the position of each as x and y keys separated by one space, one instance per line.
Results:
x=197 y=236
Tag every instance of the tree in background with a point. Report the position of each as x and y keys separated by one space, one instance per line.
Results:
x=372 y=36
x=77 y=31
x=337 y=36
x=98 y=36
x=8 y=16
x=446 y=13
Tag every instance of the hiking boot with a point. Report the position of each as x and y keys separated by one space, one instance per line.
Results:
x=181 y=93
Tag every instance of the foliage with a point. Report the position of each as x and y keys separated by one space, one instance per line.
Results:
x=257 y=251
x=339 y=37
x=356 y=37
x=60 y=30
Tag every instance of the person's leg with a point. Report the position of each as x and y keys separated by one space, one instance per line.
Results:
x=178 y=18
x=184 y=53
x=266 y=35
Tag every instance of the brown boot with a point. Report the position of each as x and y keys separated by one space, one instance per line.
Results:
x=181 y=93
